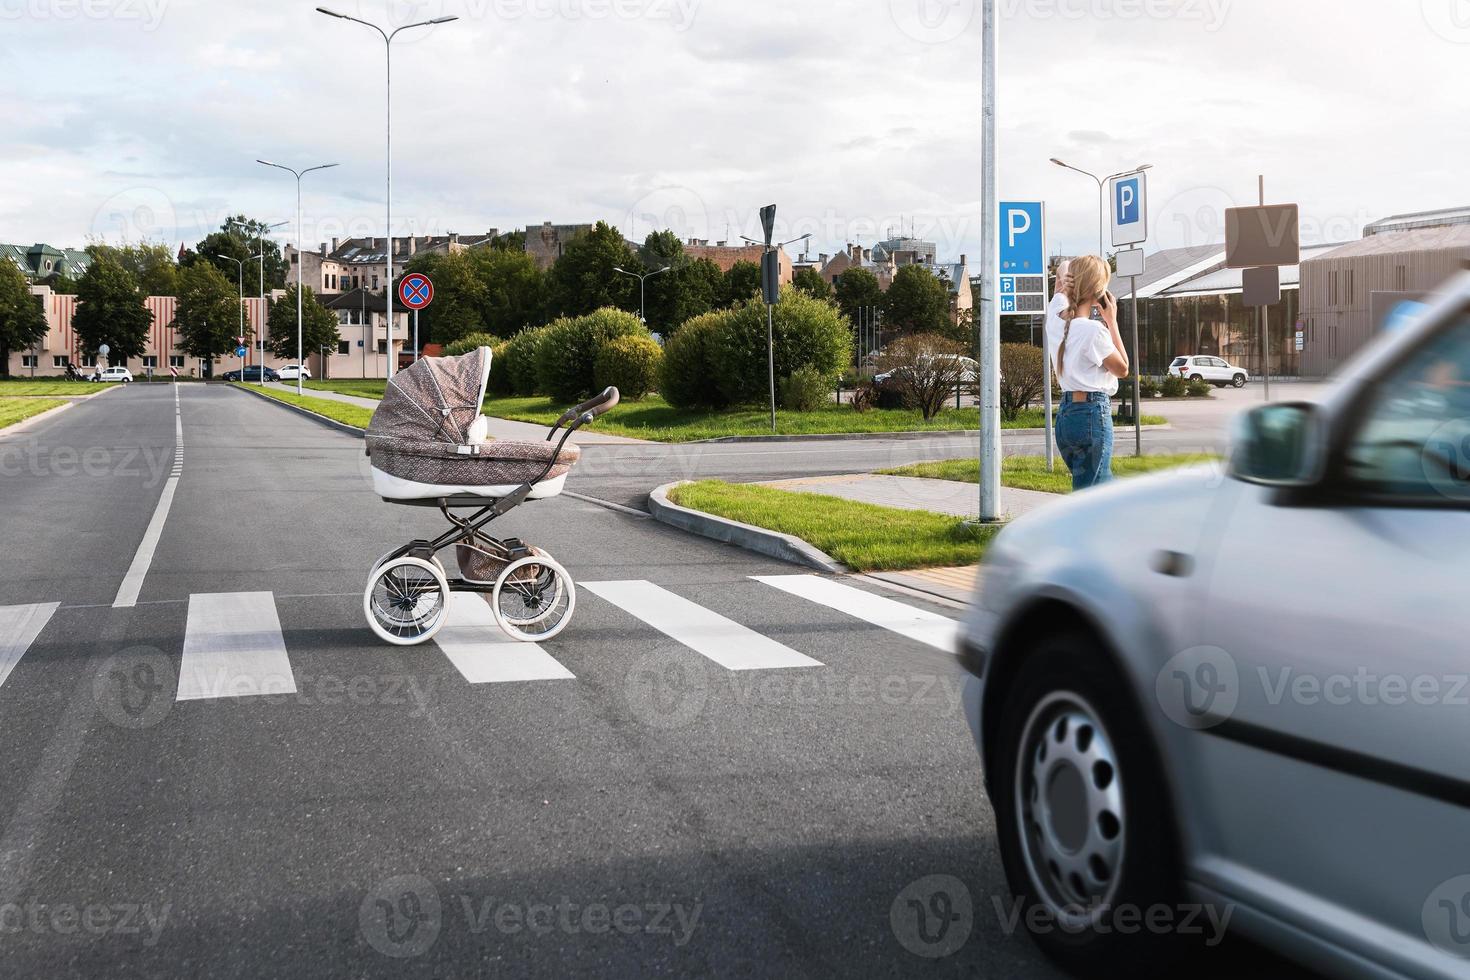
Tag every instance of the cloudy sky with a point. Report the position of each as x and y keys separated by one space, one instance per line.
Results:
x=143 y=118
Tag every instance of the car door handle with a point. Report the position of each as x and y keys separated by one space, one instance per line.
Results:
x=1175 y=564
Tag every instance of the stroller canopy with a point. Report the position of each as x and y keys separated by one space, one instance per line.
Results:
x=433 y=400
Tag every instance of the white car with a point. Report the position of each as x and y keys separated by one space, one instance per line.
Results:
x=113 y=374
x=290 y=371
x=969 y=369
x=1241 y=694
x=1216 y=370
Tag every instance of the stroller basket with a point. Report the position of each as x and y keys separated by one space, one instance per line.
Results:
x=483 y=566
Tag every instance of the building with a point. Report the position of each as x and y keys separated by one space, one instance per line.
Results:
x=885 y=259
x=546 y=243
x=346 y=264
x=362 y=331
x=41 y=262
x=725 y=255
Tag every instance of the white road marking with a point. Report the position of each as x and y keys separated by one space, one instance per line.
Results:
x=132 y=583
x=19 y=627
x=233 y=648
x=476 y=645
x=722 y=640
x=937 y=631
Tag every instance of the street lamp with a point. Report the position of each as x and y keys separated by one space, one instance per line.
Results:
x=240 y=267
x=771 y=318
x=1101 y=182
x=298 y=174
x=640 y=276
x=388 y=140
x=264 y=312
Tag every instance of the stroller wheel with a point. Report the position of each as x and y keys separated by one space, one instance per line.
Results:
x=379 y=564
x=533 y=599
x=406 y=600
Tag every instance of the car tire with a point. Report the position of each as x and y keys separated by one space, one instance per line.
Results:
x=1196 y=377
x=1238 y=381
x=1065 y=687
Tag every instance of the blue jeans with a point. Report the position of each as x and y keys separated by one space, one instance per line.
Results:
x=1085 y=438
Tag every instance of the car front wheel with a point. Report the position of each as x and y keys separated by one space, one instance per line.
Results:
x=1238 y=381
x=1084 y=824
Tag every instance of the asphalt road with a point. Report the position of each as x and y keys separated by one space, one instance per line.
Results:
x=366 y=810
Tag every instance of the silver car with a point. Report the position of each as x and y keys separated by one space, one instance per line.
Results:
x=1239 y=697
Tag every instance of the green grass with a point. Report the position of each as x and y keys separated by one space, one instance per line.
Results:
x=20 y=388
x=1029 y=472
x=862 y=536
x=361 y=387
x=353 y=415
x=13 y=410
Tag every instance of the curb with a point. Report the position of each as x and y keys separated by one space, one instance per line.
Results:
x=350 y=430
x=877 y=436
x=773 y=544
x=24 y=424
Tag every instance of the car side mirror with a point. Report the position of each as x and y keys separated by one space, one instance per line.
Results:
x=1279 y=445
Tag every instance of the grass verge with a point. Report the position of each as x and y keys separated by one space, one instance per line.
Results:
x=352 y=415
x=1029 y=472
x=13 y=410
x=361 y=387
x=72 y=389
x=862 y=536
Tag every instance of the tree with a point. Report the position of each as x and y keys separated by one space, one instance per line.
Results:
x=810 y=281
x=318 y=325
x=583 y=278
x=111 y=310
x=917 y=302
x=856 y=289
x=482 y=290
x=926 y=369
x=240 y=238
x=22 y=320
x=510 y=241
x=150 y=263
x=1022 y=375
x=741 y=283
x=208 y=313
x=689 y=288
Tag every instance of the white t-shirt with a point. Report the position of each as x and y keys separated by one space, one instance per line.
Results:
x=1088 y=345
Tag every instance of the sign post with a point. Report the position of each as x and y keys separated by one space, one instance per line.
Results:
x=416 y=291
x=1023 y=289
x=1260 y=240
x=1129 y=194
x=988 y=322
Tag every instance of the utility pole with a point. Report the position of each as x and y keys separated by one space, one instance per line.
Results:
x=990 y=449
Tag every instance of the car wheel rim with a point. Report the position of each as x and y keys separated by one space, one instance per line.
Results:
x=1069 y=803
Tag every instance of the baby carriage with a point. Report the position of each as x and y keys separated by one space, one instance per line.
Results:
x=428 y=448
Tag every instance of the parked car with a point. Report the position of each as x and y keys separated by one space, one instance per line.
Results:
x=289 y=372
x=251 y=373
x=969 y=370
x=1216 y=370
x=113 y=374
x=1245 y=689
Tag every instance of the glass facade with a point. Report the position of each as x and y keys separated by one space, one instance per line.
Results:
x=1218 y=325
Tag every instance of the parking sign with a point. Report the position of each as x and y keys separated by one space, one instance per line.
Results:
x=1129 y=196
x=1022 y=258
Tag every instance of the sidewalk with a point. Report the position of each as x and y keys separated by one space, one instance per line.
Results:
x=499 y=428
x=914 y=493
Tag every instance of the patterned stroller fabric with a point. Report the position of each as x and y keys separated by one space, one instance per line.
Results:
x=420 y=431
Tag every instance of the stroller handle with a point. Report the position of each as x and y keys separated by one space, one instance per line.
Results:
x=591 y=408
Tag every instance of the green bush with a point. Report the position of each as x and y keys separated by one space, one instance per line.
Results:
x=566 y=357
x=805 y=390
x=808 y=333
x=1199 y=389
x=631 y=364
x=518 y=361
x=686 y=377
x=1148 y=387
x=1174 y=386
x=500 y=380
x=470 y=342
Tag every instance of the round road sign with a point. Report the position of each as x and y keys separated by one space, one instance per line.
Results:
x=415 y=290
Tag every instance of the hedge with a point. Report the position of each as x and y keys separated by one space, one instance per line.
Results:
x=566 y=356
x=630 y=364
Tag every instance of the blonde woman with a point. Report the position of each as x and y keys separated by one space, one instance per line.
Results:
x=1088 y=355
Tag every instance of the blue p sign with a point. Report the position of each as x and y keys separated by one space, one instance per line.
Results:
x=1126 y=205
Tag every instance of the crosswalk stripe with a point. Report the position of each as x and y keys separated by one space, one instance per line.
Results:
x=233 y=648
x=476 y=645
x=917 y=624
x=722 y=640
x=19 y=627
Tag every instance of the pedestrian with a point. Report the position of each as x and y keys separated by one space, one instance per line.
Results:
x=1089 y=357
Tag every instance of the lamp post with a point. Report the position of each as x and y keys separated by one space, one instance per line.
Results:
x=388 y=141
x=771 y=313
x=240 y=267
x=265 y=313
x=641 y=276
x=1101 y=183
x=298 y=174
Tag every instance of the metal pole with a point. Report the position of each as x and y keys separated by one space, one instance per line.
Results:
x=415 y=335
x=1261 y=314
x=388 y=191
x=1102 y=209
x=240 y=281
x=260 y=334
x=771 y=358
x=642 y=316
x=990 y=447
x=300 y=264
x=1137 y=373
